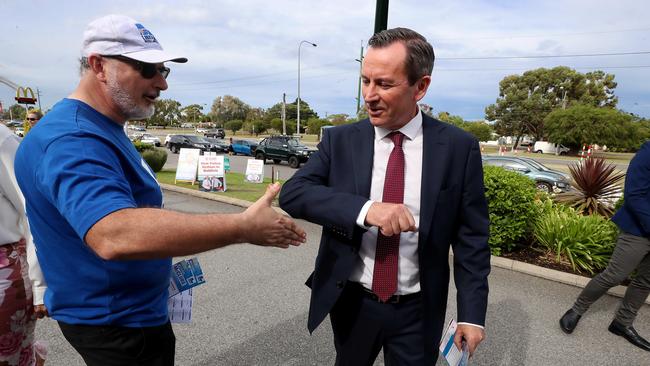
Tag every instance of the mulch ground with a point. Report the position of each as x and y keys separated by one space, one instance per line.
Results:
x=543 y=259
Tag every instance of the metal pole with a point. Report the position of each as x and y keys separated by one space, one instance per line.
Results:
x=359 y=88
x=298 y=101
x=284 y=113
x=38 y=93
x=381 y=16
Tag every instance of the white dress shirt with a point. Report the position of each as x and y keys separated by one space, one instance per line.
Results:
x=408 y=274
x=13 y=221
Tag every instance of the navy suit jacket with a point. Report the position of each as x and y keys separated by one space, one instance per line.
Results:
x=332 y=187
x=634 y=216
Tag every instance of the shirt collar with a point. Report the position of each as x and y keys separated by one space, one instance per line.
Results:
x=409 y=130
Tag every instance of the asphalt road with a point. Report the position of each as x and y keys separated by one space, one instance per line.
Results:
x=253 y=311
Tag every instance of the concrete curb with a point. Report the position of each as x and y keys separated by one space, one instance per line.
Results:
x=553 y=275
x=530 y=269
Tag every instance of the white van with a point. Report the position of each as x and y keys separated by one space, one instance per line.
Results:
x=545 y=147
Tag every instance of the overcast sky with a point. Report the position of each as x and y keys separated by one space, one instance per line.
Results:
x=249 y=48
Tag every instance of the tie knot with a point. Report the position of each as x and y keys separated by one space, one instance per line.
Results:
x=397 y=138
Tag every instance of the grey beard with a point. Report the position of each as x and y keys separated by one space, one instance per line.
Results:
x=126 y=103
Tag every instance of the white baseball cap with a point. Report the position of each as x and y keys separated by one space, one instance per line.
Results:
x=114 y=35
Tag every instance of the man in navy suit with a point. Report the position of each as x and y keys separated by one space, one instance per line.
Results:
x=632 y=252
x=393 y=193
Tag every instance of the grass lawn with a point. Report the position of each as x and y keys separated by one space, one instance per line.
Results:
x=236 y=187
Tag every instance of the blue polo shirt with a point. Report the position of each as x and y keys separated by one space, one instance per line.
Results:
x=74 y=168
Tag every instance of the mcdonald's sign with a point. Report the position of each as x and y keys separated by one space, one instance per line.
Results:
x=25 y=95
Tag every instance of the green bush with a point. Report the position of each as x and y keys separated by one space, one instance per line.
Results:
x=510 y=198
x=156 y=158
x=584 y=241
x=142 y=146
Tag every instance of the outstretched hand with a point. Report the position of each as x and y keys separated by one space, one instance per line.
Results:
x=269 y=228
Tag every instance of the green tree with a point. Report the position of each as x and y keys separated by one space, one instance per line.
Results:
x=256 y=127
x=481 y=130
x=168 y=113
x=234 y=125
x=314 y=125
x=457 y=121
x=228 y=108
x=525 y=100
x=193 y=113
x=276 y=124
x=306 y=112
x=585 y=124
x=17 y=112
x=338 y=119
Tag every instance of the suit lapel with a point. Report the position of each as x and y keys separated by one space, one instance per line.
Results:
x=362 y=142
x=435 y=147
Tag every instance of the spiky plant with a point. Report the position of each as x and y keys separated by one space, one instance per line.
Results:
x=596 y=186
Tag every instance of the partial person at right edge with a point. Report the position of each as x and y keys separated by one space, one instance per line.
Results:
x=632 y=252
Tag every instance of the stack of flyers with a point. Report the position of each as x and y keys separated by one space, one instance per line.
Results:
x=185 y=275
x=449 y=350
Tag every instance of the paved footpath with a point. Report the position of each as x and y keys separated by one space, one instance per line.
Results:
x=253 y=311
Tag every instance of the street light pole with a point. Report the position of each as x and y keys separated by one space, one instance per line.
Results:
x=298 y=104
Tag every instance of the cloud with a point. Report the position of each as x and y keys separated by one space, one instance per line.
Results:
x=250 y=48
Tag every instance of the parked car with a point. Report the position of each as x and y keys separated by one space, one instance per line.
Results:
x=137 y=128
x=545 y=147
x=147 y=138
x=14 y=123
x=283 y=148
x=244 y=147
x=201 y=130
x=177 y=142
x=218 y=145
x=216 y=132
x=546 y=179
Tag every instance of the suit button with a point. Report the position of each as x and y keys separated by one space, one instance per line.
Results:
x=340 y=284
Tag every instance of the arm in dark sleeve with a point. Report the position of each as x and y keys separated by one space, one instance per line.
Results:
x=471 y=251
x=311 y=194
x=637 y=187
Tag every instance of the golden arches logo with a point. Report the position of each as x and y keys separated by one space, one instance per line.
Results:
x=27 y=96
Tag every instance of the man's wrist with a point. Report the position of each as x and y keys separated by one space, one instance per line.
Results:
x=361 y=218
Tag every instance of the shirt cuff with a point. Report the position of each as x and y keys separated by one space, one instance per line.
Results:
x=474 y=325
x=361 y=219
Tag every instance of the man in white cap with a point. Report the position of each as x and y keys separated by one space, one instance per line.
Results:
x=102 y=239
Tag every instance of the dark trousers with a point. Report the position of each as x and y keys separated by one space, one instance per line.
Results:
x=631 y=252
x=363 y=326
x=113 y=345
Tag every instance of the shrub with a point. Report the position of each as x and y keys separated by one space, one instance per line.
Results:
x=140 y=146
x=596 y=187
x=583 y=241
x=510 y=198
x=156 y=158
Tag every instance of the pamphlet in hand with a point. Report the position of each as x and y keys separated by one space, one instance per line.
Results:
x=449 y=350
x=185 y=275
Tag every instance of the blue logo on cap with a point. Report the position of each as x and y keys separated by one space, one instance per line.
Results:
x=146 y=35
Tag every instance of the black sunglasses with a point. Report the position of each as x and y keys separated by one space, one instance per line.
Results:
x=32 y=119
x=147 y=70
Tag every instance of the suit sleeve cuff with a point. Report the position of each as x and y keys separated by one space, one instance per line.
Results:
x=474 y=325
x=361 y=219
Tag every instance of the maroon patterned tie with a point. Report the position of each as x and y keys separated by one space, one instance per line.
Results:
x=384 y=277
